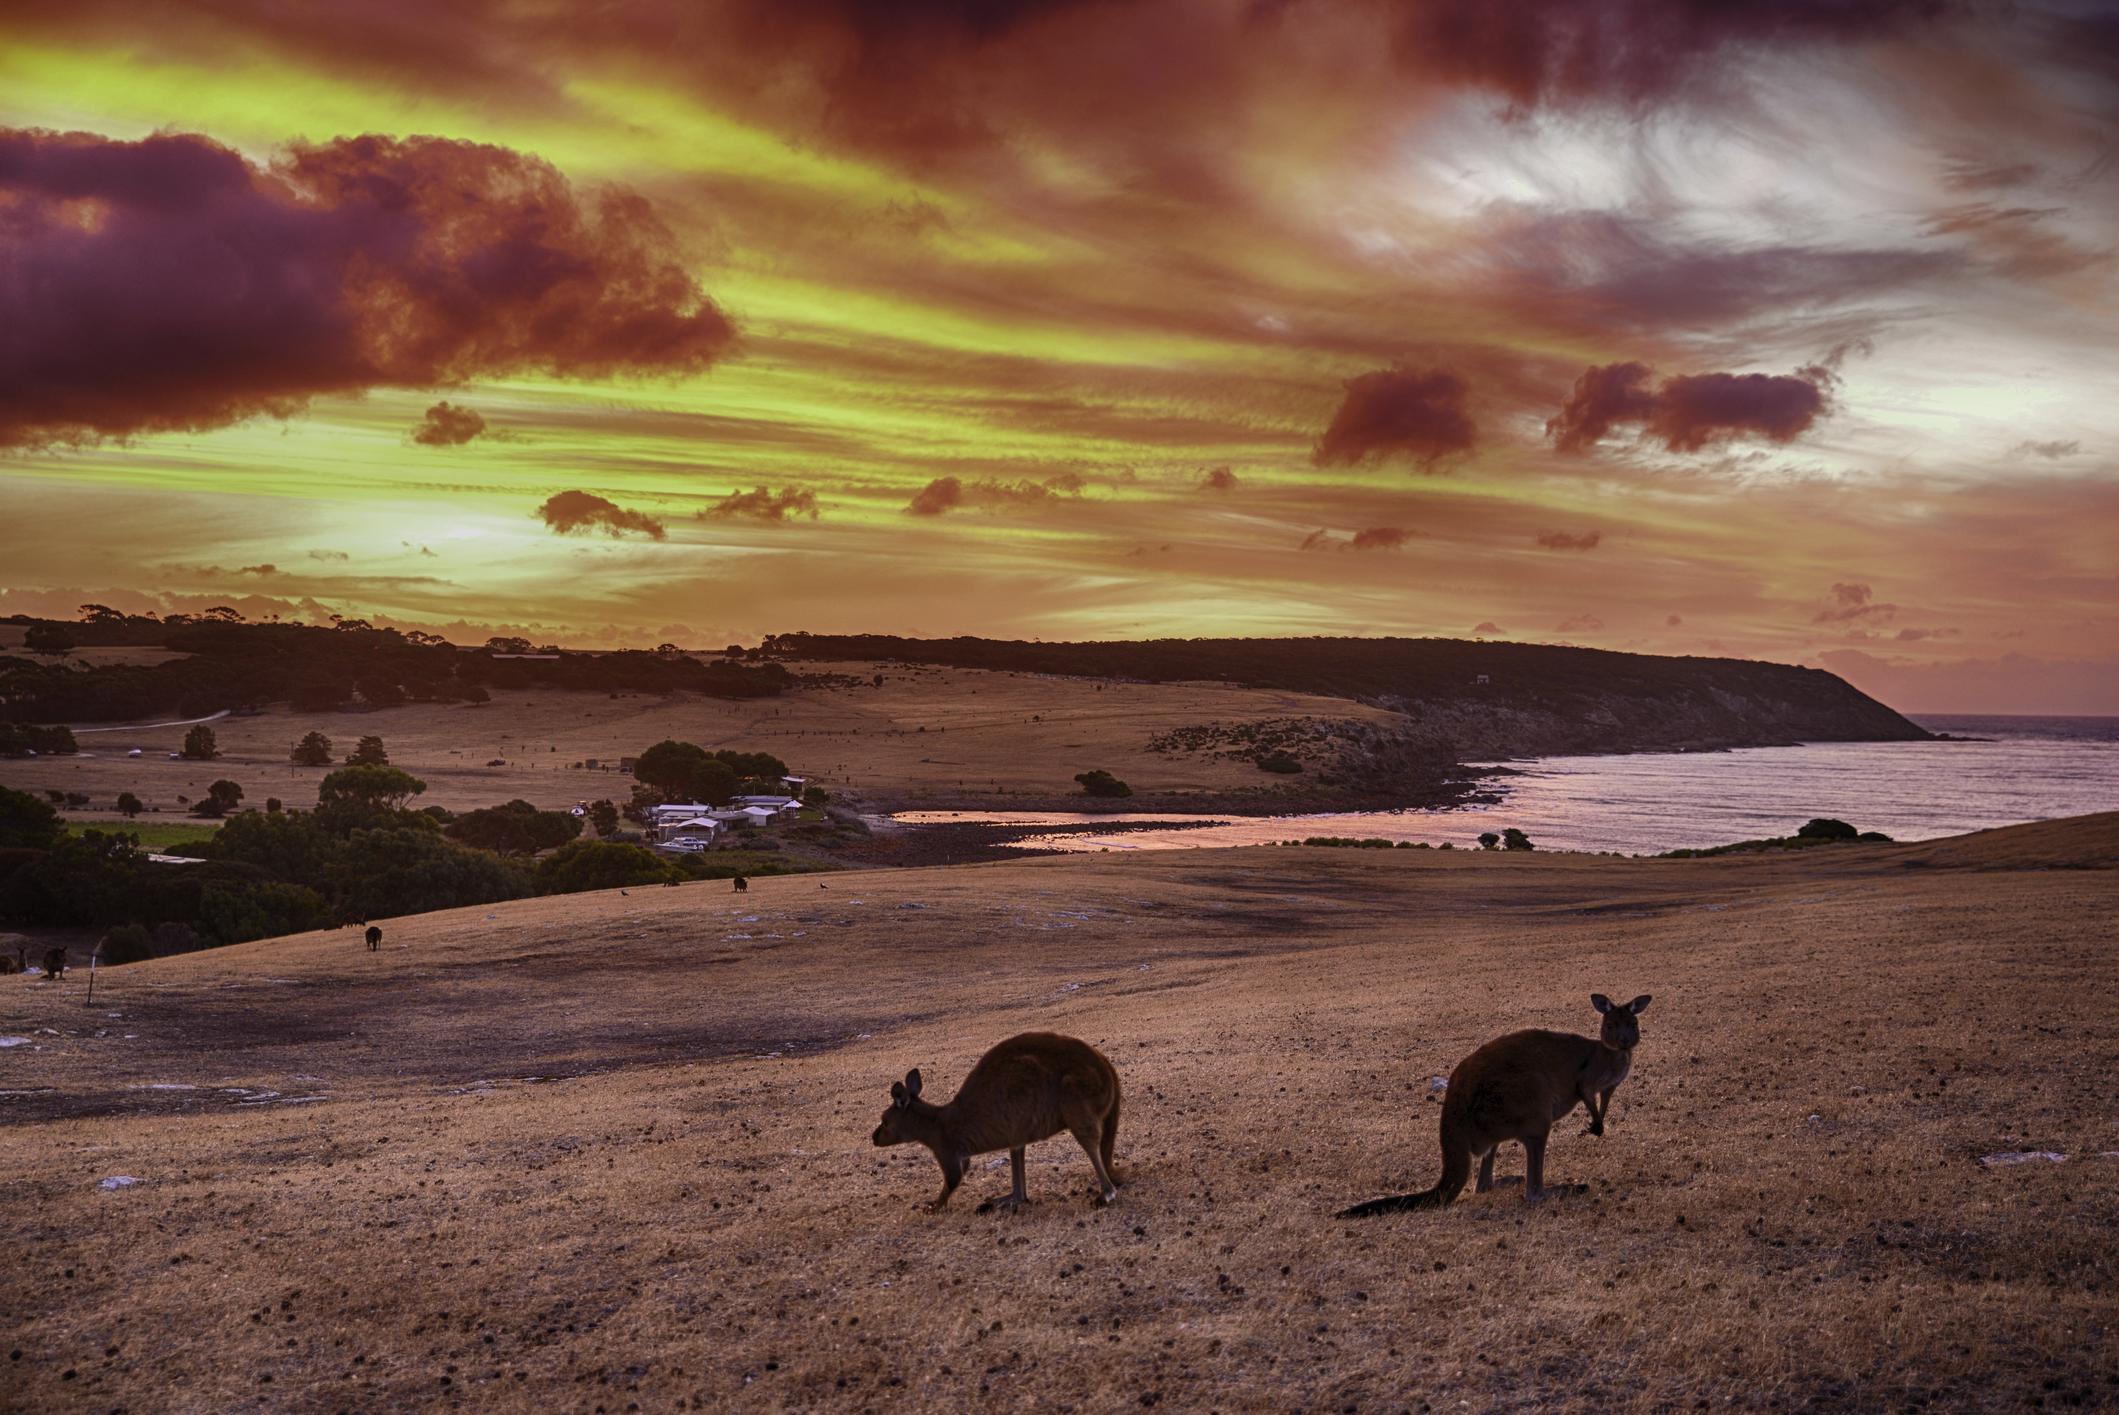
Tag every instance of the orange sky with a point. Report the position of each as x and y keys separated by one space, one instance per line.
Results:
x=1777 y=330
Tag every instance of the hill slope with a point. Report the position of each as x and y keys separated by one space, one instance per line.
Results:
x=612 y=1148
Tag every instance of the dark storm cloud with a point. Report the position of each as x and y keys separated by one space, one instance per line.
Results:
x=570 y=511
x=1419 y=414
x=170 y=284
x=1690 y=411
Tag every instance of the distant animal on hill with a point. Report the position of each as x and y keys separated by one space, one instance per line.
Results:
x=375 y=938
x=740 y=885
x=1514 y=1088
x=351 y=921
x=1026 y=1089
x=54 y=964
x=671 y=883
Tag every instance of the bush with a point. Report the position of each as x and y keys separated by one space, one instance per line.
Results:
x=127 y=943
x=1279 y=763
x=171 y=937
x=1513 y=839
x=601 y=864
x=199 y=744
x=1489 y=841
x=1825 y=828
x=1102 y=783
x=25 y=821
x=517 y=828
x=312 y=750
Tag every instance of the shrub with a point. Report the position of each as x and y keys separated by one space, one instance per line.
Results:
x=1279 y=763
x=1102 y=783
x=26 y=821
x=600 y=864
x=1825 y=828
x=1489 y=841
x=127 y=943
x=1513 y=839
x=312 y=750
x=172 y=937
x=199 y=744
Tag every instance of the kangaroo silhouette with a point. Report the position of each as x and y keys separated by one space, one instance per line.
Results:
x=1515 y=1088
x=1026 y=1089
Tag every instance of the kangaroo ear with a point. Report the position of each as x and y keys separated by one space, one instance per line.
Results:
x=1600 y=1002
x=898 y=1097
x=912 y=1082
x=1638 y=1005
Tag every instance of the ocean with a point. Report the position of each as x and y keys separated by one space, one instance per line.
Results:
x=2015 y=769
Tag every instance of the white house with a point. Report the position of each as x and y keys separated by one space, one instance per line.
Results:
x=770 y=803
x=745 y=815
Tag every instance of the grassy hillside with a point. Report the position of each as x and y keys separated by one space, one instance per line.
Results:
x=608 y=1150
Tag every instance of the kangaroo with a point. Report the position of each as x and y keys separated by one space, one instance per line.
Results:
x=1026 y=1089
x=375 y=938
x=1514 y=1088
x=54 y=964
x=741 y=885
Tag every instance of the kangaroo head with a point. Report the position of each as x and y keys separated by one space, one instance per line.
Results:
x=904 y=1095
x=1622 y=1028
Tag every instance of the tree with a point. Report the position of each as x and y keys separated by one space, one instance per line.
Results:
x=369 y=753
x=1825 y=828
x=381 y=692
x=1102 y=783
x=320 y=694
x=199 y=744
x=130 y=805
x=312 y=750
x=221 y=798
x=601 y=864
x=367 y=789
x=517 y=828
x=681 y=771
x=411 y=871
x=26 y=822
x=1489 y=841
x=48 y=639
x=603 y=815
x=127 y=943
x=1513 y=839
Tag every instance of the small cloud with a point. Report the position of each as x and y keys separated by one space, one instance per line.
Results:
x=419 y=550
x=1673 y=621
x=261 y=571
x=569 y=511
x=2051 y=451
x=945 y=494
x=1690 y=411
x=329 y=555
x=1219 y=479
x=1577 y=623
x=447 y=425
x=763 y=505
x=1565 y=540
x=1379 y=538
x=1852 y=601
x=1910 y=636
x=1317 y=540
x=1488 y=627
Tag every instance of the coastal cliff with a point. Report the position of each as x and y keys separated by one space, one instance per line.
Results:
x=1460 y=700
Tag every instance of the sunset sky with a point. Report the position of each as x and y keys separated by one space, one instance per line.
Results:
x=1779 y=330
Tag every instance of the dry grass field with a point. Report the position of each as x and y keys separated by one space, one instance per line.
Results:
x=989 y=739
x=611 y=1152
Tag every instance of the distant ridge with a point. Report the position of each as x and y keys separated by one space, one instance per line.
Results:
x=1535 y=700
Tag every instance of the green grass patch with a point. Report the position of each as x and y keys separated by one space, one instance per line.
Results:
x=156 y=836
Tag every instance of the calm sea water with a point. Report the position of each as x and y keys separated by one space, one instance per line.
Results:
x=2028 y=768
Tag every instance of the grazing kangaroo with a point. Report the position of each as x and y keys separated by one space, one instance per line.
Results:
x=375 y=938
x=54 y=964
x=742 y=885
x=1514 y=1088
x=1026 y=1089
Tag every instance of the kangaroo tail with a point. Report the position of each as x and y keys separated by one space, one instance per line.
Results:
x=1456 y=1169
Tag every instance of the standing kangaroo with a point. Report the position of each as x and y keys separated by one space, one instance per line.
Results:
x=1514 y=1088
x=1026 y=1089
x=375 y=938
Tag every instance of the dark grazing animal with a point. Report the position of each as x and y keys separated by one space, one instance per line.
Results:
x=7 y=965
x=54 y=964
x=1026 y=1089
x=375 y=938
x=742 y=885
x=1514 y=1088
